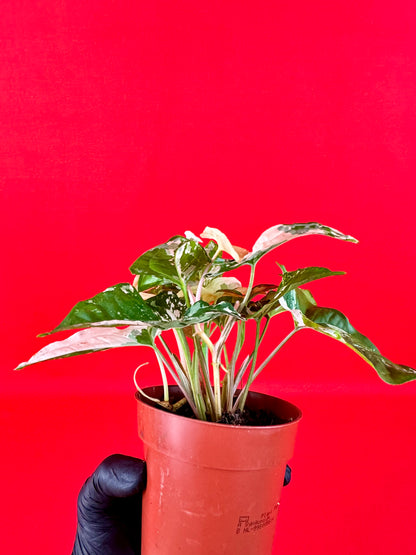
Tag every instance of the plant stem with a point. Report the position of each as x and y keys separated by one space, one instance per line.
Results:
x=240 y=375
x=196 y=388
x=244 y=392
x=216 y=363
x=179 y=375
x=180 y=379
x=183 y=348
x=249 y=289
x=231 y=370
x=247 y=361
x=201 y=283
x=185 y=293
x=274 y=352
x=217 y=389
x=164 y=377
x=210 y=400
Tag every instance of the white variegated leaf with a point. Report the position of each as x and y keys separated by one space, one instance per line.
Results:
x=91 y=340
x=214 y=289
x=223 y=243
x=190 y=235
x=279 y=234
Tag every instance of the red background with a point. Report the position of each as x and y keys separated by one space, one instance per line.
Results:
x=123 y=123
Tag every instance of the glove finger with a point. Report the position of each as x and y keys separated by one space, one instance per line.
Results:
x=118 y=476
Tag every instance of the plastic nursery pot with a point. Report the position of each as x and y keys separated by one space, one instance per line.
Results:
x=212 y=488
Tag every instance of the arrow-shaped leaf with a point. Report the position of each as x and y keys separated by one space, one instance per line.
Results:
x=203 y=312
x=167 y=306
x=282 y=233
x=190 y=261
x=293 y=280
x=333 y=323
x=90 y=341
x=274 y=237
x=122 y=305
x=157 y=266
x=224 y=244
x=116 y=306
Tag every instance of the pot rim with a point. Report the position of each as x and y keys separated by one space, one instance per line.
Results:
x=151 y=390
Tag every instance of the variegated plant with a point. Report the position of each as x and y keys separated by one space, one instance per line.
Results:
x=183 y=287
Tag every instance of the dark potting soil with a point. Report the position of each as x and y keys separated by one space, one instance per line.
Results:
x=247 y=417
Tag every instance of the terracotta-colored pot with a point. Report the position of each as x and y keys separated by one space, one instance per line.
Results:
x=212 y=489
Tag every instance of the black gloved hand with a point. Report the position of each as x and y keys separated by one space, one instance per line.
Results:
x=110 y=508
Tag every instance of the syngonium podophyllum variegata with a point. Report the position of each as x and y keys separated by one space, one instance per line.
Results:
x=180 y=287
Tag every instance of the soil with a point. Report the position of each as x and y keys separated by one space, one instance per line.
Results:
x=247 y=417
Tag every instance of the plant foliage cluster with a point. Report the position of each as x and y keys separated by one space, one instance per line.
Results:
x=183 y=288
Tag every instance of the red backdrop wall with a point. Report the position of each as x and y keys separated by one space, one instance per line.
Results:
x=125 y=123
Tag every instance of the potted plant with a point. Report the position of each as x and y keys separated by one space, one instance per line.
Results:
x=216 y=451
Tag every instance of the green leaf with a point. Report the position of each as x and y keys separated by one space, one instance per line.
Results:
x=122 y=305
x=203 y=312
x=92 y=340
x=157 y=266
x=300 y=299
x=117 y=305
x=190 y=261
x=293 y=280
x=302 y=276
x=177 y=261
x=147 y=282
x=330 y=319
x=211 y=248
x=222 y=265
x=198 y=313
x=333 y=323
x=167 y=306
